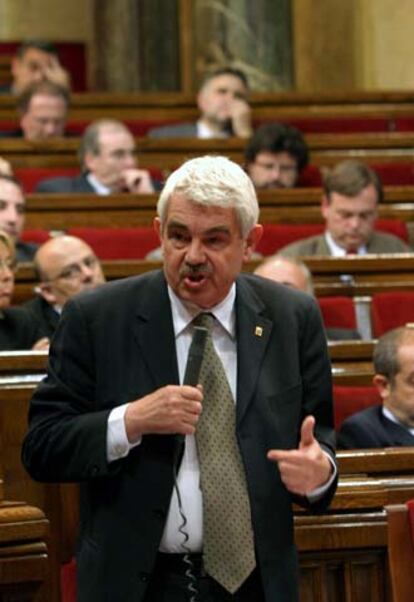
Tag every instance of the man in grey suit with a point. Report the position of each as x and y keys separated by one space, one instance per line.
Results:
x=351 y=194
x=116 y=397
x=224 y=109
x=107 y=157
x=392 y=423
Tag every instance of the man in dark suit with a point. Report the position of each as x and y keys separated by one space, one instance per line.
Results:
x=392 y=424
x=352 y=193
x=293 y=272
x=224 y=109
x=108 y=164
x=12 y=214
x=109 y=412
x=65 y=265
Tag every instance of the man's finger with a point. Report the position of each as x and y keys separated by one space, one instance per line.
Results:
x=306 y=432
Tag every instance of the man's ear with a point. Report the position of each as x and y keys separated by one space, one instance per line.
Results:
x=45 y=290
x=88 y=161
x=157 y=227
x=324 y=206
x=252 y=241
x=14 y=67
x=381 y=383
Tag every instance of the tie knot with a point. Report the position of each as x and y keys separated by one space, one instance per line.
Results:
x=205 y=320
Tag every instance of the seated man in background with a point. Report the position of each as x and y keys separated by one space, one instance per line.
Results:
x=224 y=109
x=108 y=162
x=35 y=61
x=12 y=214
x=275 y=155
x=65 y=265
x=43 y=110
x=17 y=329
x=392 y=423
x=352 y=193
x=291 y=271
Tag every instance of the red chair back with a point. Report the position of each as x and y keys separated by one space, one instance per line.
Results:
x=391 y=310
x=349 y=400
x=119 y=243
x=338 y=312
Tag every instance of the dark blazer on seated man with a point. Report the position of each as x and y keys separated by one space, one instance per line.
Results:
x=177 y=130
x=17 y=330
x=43 y=315
x=342 y=334
x=371 y=428
x=66 y=184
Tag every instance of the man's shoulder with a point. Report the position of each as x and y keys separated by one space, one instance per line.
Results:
x=305 y=246
x=272 y=294
x=384 y=242
x=25 y=251
x=366 y=416
x=64 y=184
x=178 y=130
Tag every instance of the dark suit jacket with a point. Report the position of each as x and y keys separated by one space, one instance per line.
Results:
x=342 y=334
x=370 y=428
x=179 y=130
x=17 y=330
x=117 y=344
x=76 y=184
x=25 y=251
x=380 y=242
x=65 y=184
x=43 y=315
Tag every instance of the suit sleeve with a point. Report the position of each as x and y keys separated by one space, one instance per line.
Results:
x=66 y=440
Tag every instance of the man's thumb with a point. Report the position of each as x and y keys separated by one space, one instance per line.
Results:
x=306 y=432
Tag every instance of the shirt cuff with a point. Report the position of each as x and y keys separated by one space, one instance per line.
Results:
x=117 y=444
x=319 y=492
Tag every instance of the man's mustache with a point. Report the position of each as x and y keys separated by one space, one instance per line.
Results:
x=195 y=270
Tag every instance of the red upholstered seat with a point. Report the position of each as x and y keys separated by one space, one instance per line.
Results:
x=38 y=236
x=31 y=176
x=349 y=400
x=320 y=125
x=391 y=310
x=119 y=243
x=338 y=312
x=68 y=581
x=395 y=174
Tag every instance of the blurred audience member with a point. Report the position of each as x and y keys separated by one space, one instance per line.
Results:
x=43 y=110
x=224 y=109
x=275 y=156
x=5 y=167
x=35 y=61
x=108 y=162
x=352 y=193
x=392 y=423
x=65 y=266
x=17 y=329
x=291 y=271
x=12 y=216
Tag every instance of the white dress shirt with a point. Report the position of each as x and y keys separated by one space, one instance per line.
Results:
x=337 y=251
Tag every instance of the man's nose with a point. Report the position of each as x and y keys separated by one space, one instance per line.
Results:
x=195 y=253
x=10 y=215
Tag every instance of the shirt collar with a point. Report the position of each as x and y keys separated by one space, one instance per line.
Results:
x=203 y=131
x=388 y=414
x=98 y=186
x=224 y=312
x=338 y=251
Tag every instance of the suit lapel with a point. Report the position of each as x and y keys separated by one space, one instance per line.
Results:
x=253 y=331
x=154 y=333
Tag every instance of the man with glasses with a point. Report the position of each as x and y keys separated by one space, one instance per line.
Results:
x=351 y=195
x=108 y=161
x=275 y=156
x=66 y=265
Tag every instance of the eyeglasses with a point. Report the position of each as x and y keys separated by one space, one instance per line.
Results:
x=74 y=271
x=8 y=264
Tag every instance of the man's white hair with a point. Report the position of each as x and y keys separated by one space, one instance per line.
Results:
x=213 y=181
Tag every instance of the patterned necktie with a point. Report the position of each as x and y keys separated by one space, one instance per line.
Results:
x=228 y=547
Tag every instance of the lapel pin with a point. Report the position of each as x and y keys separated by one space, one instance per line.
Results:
x=258 y=331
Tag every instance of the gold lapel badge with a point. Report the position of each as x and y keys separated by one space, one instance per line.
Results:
x=258 y=331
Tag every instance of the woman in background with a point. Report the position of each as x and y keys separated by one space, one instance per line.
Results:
x=17 y=330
